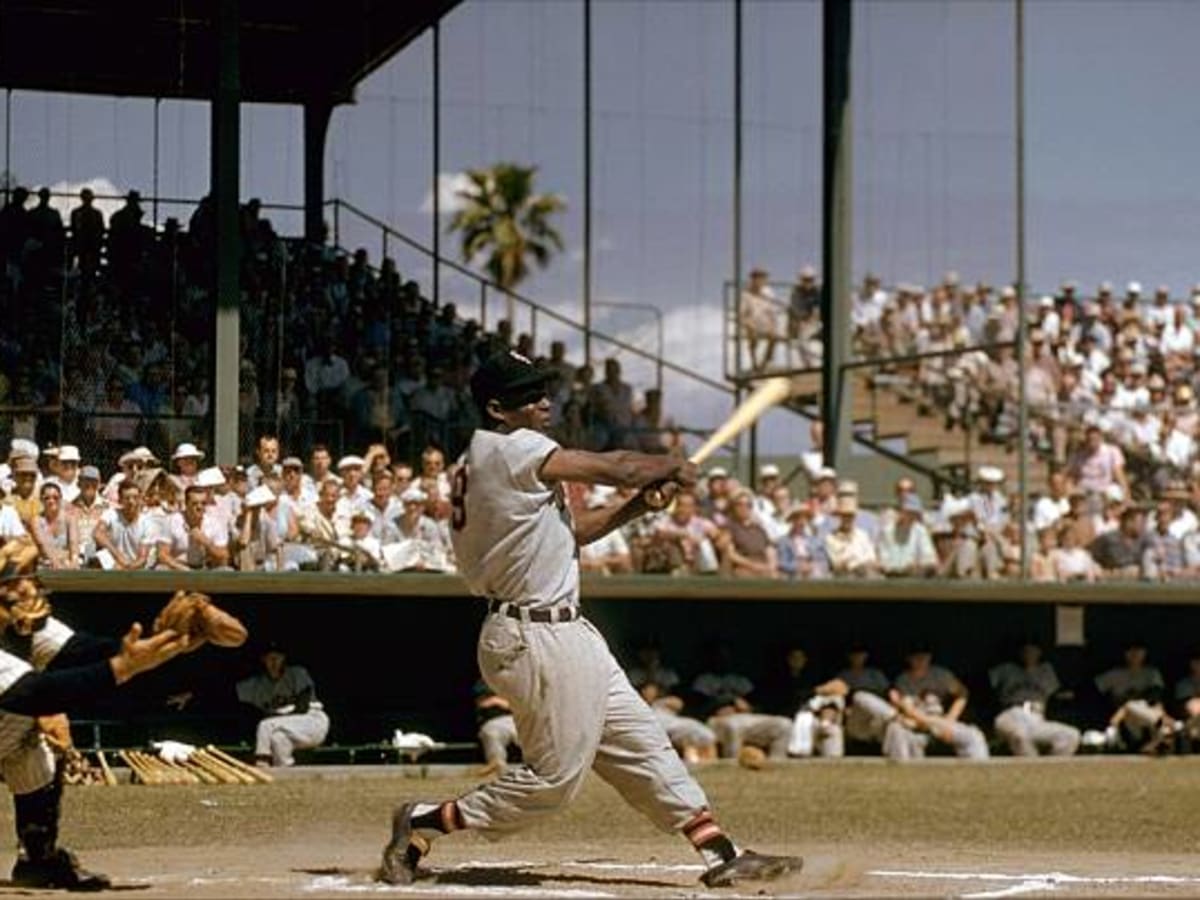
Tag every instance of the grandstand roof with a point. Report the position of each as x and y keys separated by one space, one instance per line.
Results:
x=291 y=51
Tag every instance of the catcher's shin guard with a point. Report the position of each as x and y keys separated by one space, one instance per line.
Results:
x=42 y=862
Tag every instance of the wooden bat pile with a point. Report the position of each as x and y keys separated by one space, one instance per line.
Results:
x=207 y=765
x=77 y=770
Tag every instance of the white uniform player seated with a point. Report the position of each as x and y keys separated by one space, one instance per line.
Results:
x=294 y=719
x=1024 y=689
x=930 y=701
x=1135 y=690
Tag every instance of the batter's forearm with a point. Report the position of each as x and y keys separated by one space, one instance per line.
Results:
x=593 y=524
x=619 y=468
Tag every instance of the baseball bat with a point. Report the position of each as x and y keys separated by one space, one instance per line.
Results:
x=109 y=777
x=253 y=771
x=225 y=772
x=770 y=393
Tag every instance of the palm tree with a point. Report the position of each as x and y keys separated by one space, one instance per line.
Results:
x=503 y=218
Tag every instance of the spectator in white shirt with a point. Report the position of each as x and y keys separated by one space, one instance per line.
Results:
x=127 y=535
x=848 y=547
x=383 y=509
x=66 y=475
x=194 y=538
x=610 y=554
x=266 y=460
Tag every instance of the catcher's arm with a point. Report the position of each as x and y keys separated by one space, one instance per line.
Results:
x=78 y=688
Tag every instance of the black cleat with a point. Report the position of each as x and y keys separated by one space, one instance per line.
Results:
x=404 y=850
x=751 y=866
x=59 y=870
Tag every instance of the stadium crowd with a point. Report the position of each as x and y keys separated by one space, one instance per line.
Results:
x=108 y=351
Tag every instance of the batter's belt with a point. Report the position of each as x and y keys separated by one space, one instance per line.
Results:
x=525 y=614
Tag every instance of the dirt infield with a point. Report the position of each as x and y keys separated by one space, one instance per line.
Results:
x=1076 y=828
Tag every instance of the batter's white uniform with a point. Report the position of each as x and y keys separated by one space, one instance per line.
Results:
x=573 y=707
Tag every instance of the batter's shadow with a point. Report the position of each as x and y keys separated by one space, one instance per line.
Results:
x=496 y=876
x=517 y=876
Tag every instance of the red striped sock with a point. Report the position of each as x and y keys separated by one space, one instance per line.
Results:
x=707 y=837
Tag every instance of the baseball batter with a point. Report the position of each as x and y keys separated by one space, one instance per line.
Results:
x=517 y=545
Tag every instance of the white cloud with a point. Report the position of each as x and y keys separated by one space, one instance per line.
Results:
x=448 y=186
x=100 y=186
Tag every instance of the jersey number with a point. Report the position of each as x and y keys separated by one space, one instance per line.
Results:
x=458 y=499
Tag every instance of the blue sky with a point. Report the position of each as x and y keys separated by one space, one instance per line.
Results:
x=1111 y=124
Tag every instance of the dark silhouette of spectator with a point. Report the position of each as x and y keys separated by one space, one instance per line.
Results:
x=87 y=234
x=125 y=239
x=14 y=232
x=46 y=232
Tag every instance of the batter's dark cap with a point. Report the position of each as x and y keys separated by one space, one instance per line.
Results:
x=505 y=377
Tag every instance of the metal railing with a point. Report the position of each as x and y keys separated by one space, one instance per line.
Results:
x=537 y=311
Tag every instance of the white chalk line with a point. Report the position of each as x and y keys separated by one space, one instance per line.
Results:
x=1029 y=883
x=1054 y=877
x=1023 y=887
x=345 y=884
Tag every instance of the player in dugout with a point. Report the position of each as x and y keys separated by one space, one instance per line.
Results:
x=517 y=540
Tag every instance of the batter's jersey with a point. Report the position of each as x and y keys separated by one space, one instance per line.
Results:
x=1016 y=684
x=512 y=533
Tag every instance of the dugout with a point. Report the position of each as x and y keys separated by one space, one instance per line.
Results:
x=391 y=652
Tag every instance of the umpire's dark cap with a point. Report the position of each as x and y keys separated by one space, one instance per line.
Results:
x=505 y=377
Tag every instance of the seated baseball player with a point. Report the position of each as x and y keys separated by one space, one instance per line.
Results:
x=294 y=718
x=931 y=701
x=1187 y=699
x=864 y=692
x=1135 y=691
x=816 y=718
x=691 y=738
x=47 y=670
x=1024 y=688
x=497 y=728
x=724 y=697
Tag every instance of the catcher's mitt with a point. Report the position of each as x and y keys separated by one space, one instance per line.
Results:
x=194 y=615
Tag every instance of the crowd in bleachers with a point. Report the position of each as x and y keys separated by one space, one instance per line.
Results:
x=107 y=355
x=1111 y=388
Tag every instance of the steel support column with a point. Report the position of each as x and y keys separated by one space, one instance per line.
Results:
x=225 y=138
x=836 y=230
x=1022 y=316
x=436 y=244
x=587 y=182
x=316 y=126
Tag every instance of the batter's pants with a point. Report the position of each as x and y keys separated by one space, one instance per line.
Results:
x=574 y=710
x=279 y=737
x=1027 y=733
